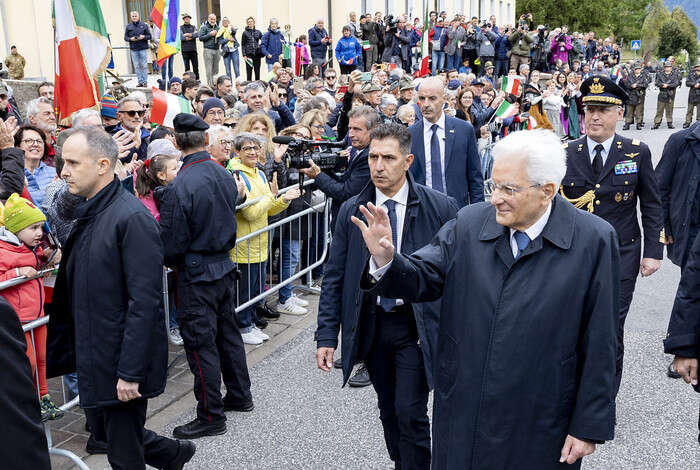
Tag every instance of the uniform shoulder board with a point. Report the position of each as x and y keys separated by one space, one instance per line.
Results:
x=636 y=142
x=565 y=145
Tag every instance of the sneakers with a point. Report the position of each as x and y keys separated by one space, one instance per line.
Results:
x=175 y=337
x=251 y=338
x=361 y=377
x=260 y=333
x=49 y=411
x=299 y=301
x=291 y=308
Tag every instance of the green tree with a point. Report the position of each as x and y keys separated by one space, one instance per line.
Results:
x=689 y=29
x=657 y=15
x=673 y=38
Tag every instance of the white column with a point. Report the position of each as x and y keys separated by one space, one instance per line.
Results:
x=259 y=19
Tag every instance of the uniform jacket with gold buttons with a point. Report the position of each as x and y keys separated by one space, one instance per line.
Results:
x=627 y=177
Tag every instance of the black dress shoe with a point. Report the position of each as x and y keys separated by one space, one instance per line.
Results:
x=185 y=451
x=197 y=428
x=94 y=446
x=241 y=407
x=671 y=373
x=639 y=126
x=338 y=363
x=670 y=126
x=361 y=377
x=626 y=127
x=656 y=126
x=261 y=323
x=686 y=125
x=265 y=311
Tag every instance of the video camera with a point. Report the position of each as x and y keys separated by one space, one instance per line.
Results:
x=300 y=152
x=391 y=23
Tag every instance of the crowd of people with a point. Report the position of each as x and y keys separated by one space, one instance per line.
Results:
x=420 y=146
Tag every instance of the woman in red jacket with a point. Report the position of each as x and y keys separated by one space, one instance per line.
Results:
x=21 y=255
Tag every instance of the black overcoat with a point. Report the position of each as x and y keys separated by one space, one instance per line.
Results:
x=526 y=348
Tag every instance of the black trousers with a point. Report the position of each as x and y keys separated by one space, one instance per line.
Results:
x=213 y=345
x=396 y=369
x=129 y=445
x=255 y=68
x=629 y=269
x=191 y=58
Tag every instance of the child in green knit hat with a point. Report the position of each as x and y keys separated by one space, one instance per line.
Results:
x=21 y=255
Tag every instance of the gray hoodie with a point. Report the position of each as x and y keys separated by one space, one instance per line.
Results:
x=486 y=40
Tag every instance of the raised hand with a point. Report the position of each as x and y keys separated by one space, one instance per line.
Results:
x=377 y=233
x=291 y=194
x=274 y=189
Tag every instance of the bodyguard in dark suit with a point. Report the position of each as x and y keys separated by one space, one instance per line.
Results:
x=682 y=339
x=525 y=363
x=445 y=150
x=678 y=174
x=198 y=229
x=606 y=174
x=396 y=339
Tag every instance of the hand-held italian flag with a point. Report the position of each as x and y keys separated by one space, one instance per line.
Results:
x=425 y=51
x=510 y=85
x=165 y=15
x=166 y=106
x=82 y=54
x=506 y=110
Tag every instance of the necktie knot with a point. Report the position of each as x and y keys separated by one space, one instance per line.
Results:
x=599 y=148
x=390 y=205
x=434 y=127
x=522 y=240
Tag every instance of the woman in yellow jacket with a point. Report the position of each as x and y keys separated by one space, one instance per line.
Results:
x=251 y=255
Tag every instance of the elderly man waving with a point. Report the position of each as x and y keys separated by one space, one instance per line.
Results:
x=525 y=366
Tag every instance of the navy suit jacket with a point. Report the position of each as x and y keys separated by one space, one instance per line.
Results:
x=463 y=180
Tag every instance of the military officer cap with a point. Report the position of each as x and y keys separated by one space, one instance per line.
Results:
x=602 y=91
x=369 y=87
x=405 y=83
x=184 y=122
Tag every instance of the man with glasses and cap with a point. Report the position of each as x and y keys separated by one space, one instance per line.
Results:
x=606 y=175
x=214 y=111
x=198 y=229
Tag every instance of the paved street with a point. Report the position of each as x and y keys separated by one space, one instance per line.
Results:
x=303 y=419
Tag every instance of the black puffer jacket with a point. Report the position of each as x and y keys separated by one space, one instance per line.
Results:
x=11 y=172
x=250 y=42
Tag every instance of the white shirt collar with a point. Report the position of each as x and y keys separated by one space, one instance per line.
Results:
x=535 y=229
x=400 y=197
x=440 y=122
x=606 y=145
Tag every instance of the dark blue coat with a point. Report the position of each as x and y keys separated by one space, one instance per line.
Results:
x=271 y=44
x=108 y=300
x=462 y=165
x=198 y=220
x=134 y=30
x=678 y=174
x=318 y=48
x=502 y=46
x=526 y=347
x=683 y=338
x=342 y=302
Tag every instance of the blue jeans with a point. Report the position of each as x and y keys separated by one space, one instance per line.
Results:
x=168 y=64
x=250 y=285
x=501 y=68
x=289 y=262
x=438 y=61
x=140 y=61
x=71 y=383
x=454 y=60
x=230 y=59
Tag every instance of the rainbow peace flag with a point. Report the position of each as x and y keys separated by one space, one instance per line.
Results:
x=165 y=15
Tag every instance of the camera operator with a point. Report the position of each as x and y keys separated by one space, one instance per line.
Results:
x=521 y=41
x=561 y=45
x=486 y=39
x=540 y=46
x=469 y=50
x=350 y=182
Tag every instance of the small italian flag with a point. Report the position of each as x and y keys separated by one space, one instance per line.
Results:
x=616 y=73
x=529 y=124
x=166 y=106
x=506 y=110
x=510 y=85
x=365 y=45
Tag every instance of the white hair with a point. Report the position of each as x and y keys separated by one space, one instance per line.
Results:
x=139 y=95
x=387 y=100
x=404 y=109
x=33 y=105
x=546 y=158
x=215 y=132
x=83 y=115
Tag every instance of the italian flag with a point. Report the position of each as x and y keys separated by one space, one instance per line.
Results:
x=82 y=52
x=506 y=110
x=510 y=85
x=293 y=55
x=529 y=124
x=616 y=73
x=165 y=15
x=425 y=50
x=166 y=106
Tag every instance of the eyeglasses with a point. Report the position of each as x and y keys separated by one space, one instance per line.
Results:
x=282 y=95
x=230 y=124
x=32 y=142
x=250 y=149
x=216 y=112
x=507 y=191
x=331 y=77
x=225 y=142
x=131 y=114
x=298 y=135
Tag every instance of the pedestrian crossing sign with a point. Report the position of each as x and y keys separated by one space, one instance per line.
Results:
x=636 y=45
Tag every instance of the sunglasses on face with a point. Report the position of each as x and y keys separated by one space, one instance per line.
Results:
x=331 y=77
x=230 y=124
x=282 y=95
x=132 y=114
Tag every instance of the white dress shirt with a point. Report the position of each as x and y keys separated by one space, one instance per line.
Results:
x=532 y=232
x=401 y=199
x=603 y=153
x=427 y=135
